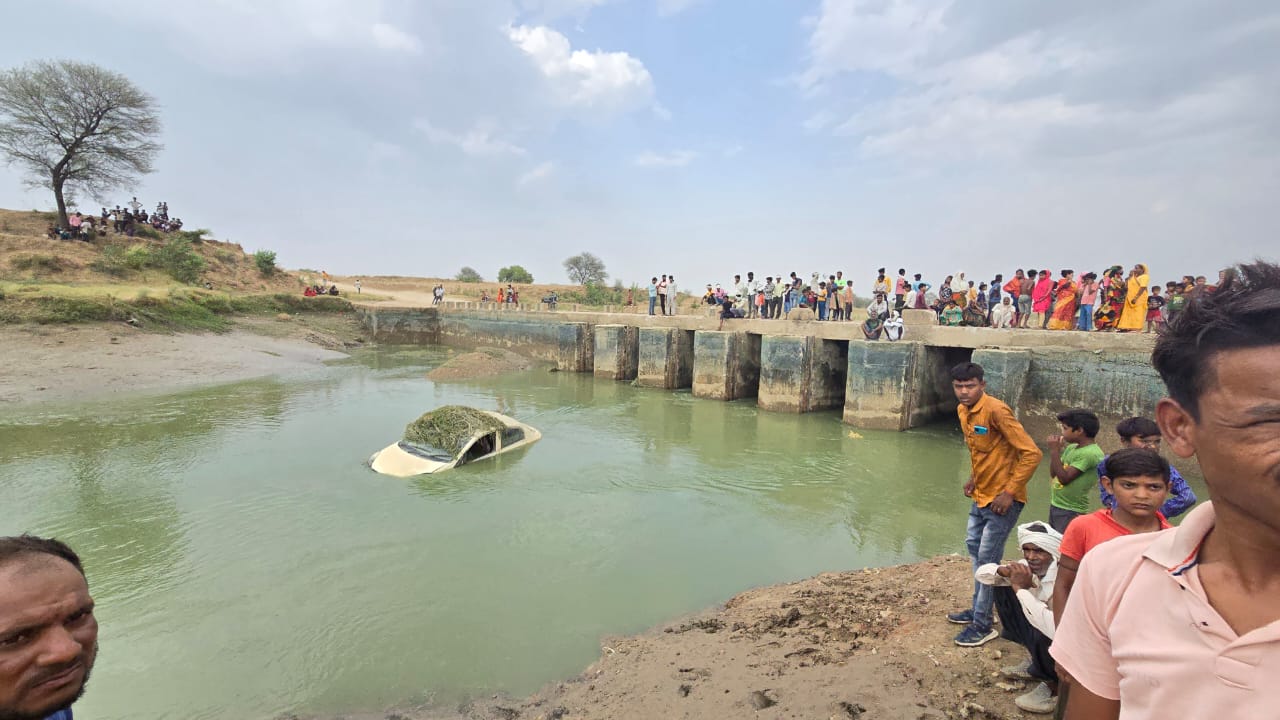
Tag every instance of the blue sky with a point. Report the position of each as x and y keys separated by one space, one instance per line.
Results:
x=701 y=137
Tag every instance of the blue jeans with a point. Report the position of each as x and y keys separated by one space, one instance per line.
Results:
x=653 y=299
x=1086 y=318
x=822 y=310
x=985 y=538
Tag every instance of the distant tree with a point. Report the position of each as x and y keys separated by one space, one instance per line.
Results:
x=76 y=127
x=468 y=274
x=586 y=269
x=515 y=274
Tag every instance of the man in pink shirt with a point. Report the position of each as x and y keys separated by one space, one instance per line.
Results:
x=1184 y=622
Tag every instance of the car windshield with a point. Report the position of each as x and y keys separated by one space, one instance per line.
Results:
x=426 y=451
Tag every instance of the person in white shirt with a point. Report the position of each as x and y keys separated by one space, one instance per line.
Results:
x=1003 y=314
x=893 y=326
x=135 y=205
x=1023 y=600
x=671 y=294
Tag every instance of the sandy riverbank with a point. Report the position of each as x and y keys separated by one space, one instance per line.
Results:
x=77 y=363
x=870 y=644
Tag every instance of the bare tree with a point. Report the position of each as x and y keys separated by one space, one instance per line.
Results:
x=76 y=127
x=585 y=269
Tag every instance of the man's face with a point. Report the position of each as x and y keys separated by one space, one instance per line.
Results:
x=968 y=392
x=1037 y=559
x=48 y=636
x=1237 y=438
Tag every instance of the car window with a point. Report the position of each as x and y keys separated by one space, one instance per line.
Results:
x=483 y=446
x=426 y=451
x=511 y=436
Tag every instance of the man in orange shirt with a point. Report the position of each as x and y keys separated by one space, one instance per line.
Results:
x=1004 y=457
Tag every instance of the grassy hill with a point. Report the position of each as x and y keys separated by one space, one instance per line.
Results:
x=157 y=281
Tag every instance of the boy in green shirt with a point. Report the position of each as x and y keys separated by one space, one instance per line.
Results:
x=1073 y=454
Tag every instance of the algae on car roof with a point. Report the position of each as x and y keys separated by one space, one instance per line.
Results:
x=450 y=427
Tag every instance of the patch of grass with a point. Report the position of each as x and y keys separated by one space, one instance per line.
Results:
x=149 y=233
x=112 y=261
x=37 y=264
x=227 y=257
x=181 y=309
x=180 y=260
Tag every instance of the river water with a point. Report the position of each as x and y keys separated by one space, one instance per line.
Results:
x=246 y=561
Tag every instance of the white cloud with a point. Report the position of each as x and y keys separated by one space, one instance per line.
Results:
x=537 y=174
x=390 y=37
x=479 y=141
x=937 y=81
x=599 y=80
x=677 y=158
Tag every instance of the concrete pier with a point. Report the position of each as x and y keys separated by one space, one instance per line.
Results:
x=726 y=365
x=881 y=390
x=1006 y=374
x=577 y=347
x=617 y=352
x=665 y=358
x=802 y=374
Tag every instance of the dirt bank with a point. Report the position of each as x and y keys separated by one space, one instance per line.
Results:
x=74 y=363
x=480 y=363
x=870 y=644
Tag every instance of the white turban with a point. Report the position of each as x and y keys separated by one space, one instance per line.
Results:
x=1042 y=536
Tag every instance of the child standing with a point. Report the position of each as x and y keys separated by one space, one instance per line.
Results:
x=1174 y=302
x=1140 y=432
x=1073 y=455
x=1155 y=303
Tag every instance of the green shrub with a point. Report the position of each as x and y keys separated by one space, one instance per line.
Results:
x=180 y=260
x=595 y=294
x=112 y=261
x=195 y=237
x=138 y=257
x=468 y=275
x=145 y=231
x=266 y=262
x=38 y=263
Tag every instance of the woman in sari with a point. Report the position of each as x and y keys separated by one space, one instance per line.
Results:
x=1064 y=307
x=1111 y=302
x=1041 y=300
x=1135 y=304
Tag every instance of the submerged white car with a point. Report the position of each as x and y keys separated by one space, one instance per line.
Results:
x=450 y=436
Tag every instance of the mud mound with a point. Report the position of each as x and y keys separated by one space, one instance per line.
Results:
x=480 y=363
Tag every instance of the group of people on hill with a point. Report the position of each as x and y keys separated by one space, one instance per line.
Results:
x=1121 y=614
x=121 y=221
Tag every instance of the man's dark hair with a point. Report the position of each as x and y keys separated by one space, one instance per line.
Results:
x=1243 y=313
x=966 y=371
x=1081 y=419
x=18 y=546
x=1137 y=462
x=999 y=277
x=1032 y=273
x=1137 y=427
x=880 y=270
x=916 y=276
x=902 y=271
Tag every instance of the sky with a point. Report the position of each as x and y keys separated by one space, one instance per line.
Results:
x=700 y=138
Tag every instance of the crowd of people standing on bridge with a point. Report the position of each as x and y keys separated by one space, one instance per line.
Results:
x=1113 y=300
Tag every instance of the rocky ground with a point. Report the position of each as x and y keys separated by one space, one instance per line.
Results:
x=870 y=644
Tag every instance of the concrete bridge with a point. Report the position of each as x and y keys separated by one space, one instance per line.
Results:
x=804 y=366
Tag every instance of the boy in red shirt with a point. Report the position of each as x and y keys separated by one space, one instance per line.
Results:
x=1139 y=479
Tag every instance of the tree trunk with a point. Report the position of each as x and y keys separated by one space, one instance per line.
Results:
x=62 y=204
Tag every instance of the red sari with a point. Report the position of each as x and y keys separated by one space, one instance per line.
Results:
x=1064 y=308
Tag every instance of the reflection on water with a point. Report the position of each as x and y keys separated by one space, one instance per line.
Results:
x=248 y=563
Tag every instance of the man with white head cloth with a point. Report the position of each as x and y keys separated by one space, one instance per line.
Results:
x=1023 y=600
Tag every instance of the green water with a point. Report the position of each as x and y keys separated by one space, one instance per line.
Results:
x=246 y=562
